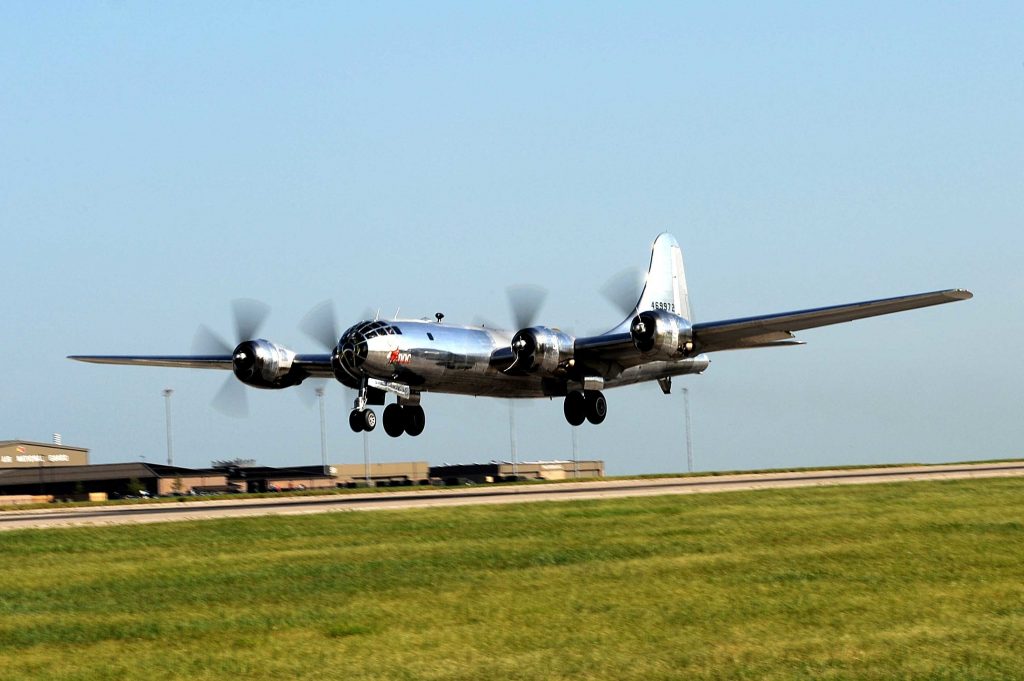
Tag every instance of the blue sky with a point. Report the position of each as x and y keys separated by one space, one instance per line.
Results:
x=160 y=160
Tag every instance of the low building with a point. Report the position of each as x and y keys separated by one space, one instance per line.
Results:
x=268 y=479
x=506 y=471
x=114 y=479
x=24 y=454
x=381 y=474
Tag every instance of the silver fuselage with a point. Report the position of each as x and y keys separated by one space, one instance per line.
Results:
x=433 y=357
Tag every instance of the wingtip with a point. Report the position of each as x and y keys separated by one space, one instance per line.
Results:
x=960 y=294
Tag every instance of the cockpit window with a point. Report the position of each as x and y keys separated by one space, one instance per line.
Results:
x=372 y=329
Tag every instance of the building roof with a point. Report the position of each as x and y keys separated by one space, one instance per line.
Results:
x=101 y=471
x=8 y=443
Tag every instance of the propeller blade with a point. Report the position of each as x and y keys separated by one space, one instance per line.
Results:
x=206 y=342
x=308 y=391
x=624 y=289
x=321 y=325
x=249 y=317
x=231 y=399
x=525 y=301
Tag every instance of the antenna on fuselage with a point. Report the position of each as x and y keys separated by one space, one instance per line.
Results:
x=438 y=316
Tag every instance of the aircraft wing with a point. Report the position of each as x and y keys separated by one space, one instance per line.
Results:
x=609 y=354
x=182 y=361
x=313 y=364
x=777 y=329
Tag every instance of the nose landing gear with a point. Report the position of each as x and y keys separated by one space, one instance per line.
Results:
x=360 y=420
x=585 y=405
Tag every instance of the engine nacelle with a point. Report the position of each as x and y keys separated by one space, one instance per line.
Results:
x=540 y=349
x=262 y=364
x=661 y=335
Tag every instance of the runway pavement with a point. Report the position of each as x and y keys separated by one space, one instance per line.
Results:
x=428 y=497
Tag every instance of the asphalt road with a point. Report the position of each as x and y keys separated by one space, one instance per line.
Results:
x=463 y=496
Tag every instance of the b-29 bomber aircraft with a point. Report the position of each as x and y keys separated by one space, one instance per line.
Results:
x=656 y=341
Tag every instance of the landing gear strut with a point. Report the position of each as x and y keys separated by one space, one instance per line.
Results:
x=360 y=418
x=585 y=405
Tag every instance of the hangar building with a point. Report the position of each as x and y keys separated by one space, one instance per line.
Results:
x=24 y=454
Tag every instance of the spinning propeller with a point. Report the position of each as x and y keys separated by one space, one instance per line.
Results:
x=525 y=301
x=248 y=316
x=623 y=290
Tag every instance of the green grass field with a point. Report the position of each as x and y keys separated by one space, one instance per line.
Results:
x=896 y=581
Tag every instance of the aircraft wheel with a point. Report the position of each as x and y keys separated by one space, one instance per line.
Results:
x=597 y=406
x=355 y=421
x=394 y=420
x=369 y=420
x=575 y=408
x=414 y=419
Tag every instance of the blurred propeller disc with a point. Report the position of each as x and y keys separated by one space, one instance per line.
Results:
x=525 y=301
x=232 y=399
x=307 y=391
x=321 y=325
x=623 y=290
x=206 y=342
x=249 y=316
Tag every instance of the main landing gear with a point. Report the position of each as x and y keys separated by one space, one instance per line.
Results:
x=585 y=405
x=398 y=418
x=404 y=418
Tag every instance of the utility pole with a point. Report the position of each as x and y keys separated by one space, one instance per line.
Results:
x=167 y=405
x=323 y=429
x=512 y=438
x=366 y=457
x=575 y=451
x=689 y=440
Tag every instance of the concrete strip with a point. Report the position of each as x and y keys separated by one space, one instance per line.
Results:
x=433 y=497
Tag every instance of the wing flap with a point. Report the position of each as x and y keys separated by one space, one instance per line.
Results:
x=733 y=334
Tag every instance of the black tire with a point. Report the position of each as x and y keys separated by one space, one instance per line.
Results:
x=597 y=406
x=394 y=420
x=414 y=419
x=575 y=408
x=355 y=421
x=369 y=420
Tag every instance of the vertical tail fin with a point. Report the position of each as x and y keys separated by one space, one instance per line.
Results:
x=665 y=287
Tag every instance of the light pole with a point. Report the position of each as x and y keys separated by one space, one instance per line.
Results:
x=366 y=457
x=167 y=405
x=575 y=451
x=512 y=439
x=323 y=428
x=689 y=440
